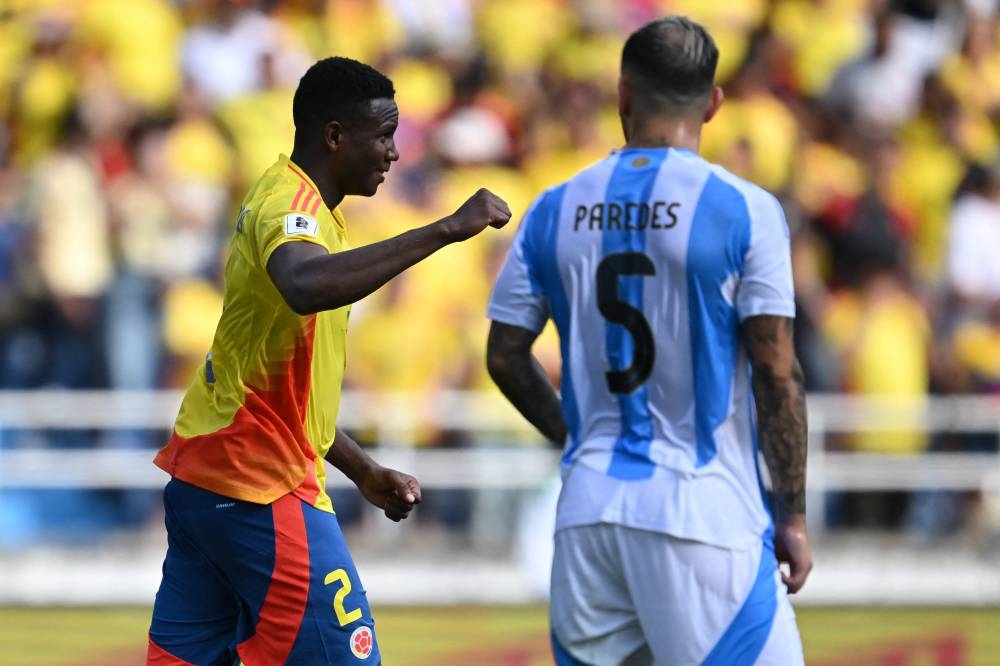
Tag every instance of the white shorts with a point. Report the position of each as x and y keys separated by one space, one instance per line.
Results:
x=628 y=596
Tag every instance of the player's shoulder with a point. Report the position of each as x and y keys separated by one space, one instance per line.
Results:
x=759 y=202
x=548 y=199
x=746 y=188
x=596 y=172
x=283 y=193
x=279 y=188
x=586 y=179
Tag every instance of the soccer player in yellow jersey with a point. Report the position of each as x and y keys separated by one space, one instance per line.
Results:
x=257 y=570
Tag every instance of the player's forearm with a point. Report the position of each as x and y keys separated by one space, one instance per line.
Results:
x=520 y=377
x=349 y=458
x=331 y=281
x=779 y=391
x=781 y=419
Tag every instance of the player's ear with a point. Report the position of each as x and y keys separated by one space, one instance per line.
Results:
x=333 y=132
x=714 y=103
x=624 y=97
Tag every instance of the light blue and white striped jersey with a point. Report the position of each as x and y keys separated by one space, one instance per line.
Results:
x=648 y=261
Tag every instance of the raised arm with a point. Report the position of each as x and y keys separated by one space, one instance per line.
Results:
x=311 y=280
x=521 y=378
x=781 y=418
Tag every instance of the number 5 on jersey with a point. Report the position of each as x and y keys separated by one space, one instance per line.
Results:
x=617 y=311
x=344 y=616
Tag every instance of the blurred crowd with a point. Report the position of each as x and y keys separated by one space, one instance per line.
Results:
x=130 y=130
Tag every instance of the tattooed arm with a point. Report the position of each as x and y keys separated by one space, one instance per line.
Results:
x=519 y=376
x=781 y=419
x=781 y=410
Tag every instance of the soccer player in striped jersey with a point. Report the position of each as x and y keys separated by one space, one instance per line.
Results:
x=257 y=570
x=669 y=280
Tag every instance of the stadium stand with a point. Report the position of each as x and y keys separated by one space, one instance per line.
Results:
x=123 y=153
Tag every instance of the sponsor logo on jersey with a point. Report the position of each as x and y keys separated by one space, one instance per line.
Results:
x=362 y=642
x=300 y=224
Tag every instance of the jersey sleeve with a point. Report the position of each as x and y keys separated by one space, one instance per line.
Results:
x=518 y=298
x=766 y=283
x=274 y=228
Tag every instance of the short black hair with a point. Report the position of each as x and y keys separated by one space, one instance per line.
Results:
x=671 y=61
x=336 y=89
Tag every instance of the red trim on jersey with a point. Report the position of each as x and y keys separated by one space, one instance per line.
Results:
x=299 y=174
x=285 y=604
x=309 y=197
x=298 y=195
x=157 y=656
x=305 y=203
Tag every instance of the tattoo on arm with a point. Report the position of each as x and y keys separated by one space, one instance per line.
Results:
x=779 y=391
x=520 y=377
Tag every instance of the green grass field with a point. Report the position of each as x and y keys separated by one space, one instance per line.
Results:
x=517 y=636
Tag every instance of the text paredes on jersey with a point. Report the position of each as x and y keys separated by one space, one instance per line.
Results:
x=629 y=216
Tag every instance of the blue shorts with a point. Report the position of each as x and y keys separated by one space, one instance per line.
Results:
x=261 y=584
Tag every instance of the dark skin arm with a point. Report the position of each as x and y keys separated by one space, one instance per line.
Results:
x=393 y=492
x=779 y=392
x=520 y=377
x=310 y=279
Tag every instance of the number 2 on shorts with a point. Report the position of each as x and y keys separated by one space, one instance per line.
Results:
x=344 y=616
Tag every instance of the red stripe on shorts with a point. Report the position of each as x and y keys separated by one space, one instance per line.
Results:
x=298 y=195
x=157 y=656
x=281 y=615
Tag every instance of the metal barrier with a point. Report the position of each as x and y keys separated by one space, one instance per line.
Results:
x=510 y=454
x=507 y=455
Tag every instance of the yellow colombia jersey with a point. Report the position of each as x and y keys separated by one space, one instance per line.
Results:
x=261 y=413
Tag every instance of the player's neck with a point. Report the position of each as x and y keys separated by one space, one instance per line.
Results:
x=328 y=189
x=664 y=133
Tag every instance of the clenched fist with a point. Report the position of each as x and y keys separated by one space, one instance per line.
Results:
x=482 y=209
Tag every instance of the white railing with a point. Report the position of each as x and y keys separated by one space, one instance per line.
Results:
x=509 y=453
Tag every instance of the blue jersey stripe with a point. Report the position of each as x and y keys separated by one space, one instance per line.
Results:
x=541 y=244
x=631 y=183
x=747 y=634
x=720 y=237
